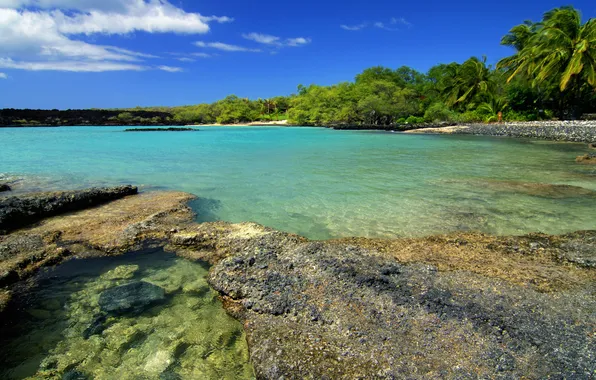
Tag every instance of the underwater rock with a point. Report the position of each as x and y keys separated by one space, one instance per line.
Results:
x=133 y=298
x=97 y=326
x=4 y=187
x=587 y=159
x=19 y=211
x=123 y=272
x=74 y=375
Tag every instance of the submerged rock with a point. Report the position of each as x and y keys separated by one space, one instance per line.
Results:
x=97 y=326
x=16 y=212
x=122 y=272
x=544 y=190
x=74 y=375
x=133 y=298
x=587 y=159
x=4 y=187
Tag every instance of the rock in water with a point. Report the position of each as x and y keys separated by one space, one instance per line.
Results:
x=4 y=187
x=74 y=375
x=133 y=298
x=97 y=326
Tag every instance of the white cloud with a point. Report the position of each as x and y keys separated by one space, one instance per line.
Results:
x=225 y=47
x=171 y=69
x=262 y=38
x=202 y=55
x=45 y=33
x=353 y=28
x=74 y=66
x=298 y=41
x=3 y=76
x=186 y=59
x=400 y=21
x=267 y=39
x=381 y=25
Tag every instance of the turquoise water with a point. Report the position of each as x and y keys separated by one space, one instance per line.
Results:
x=323 y=183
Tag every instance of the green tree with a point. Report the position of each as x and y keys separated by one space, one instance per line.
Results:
x=559 y=50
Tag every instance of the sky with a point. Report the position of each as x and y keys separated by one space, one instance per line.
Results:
x=126 y=53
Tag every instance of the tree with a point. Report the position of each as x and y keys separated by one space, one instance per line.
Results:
x=559 y=50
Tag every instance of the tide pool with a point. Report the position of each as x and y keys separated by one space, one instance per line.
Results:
x=322 y=183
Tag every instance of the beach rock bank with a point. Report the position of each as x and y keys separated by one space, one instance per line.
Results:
x=333 y=310
x=16 y=212
x=456 y=306
x=573 y=131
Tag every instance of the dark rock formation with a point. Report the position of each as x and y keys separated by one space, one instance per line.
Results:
x=131 y=299
x=16 y=212
x=4 y=187
x=321 y=310
x=161 y=130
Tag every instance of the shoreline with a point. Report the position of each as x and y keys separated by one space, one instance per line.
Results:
x=569 y=131
x=412 y=302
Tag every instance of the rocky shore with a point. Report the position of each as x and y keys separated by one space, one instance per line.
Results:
x=16 y=212
x=458 y=306
x=572 y=131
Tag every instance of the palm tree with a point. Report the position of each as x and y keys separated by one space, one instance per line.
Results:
x=559 y=47
x=468 y=83
x=492 y=107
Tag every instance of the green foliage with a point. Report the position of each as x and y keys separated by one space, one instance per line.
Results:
x=439 y=112
x=414 y=120
x=125 y=116
x=557 y=56
x=469 y=117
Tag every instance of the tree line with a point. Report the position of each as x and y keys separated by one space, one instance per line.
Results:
x=551 y=74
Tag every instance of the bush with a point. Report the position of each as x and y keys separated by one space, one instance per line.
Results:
x=414 y=120
x=520 y=116
x=438 y=112
x=469 y=117
x=401 y=120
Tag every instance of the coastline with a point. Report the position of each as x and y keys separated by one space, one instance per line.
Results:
x=570 y=131
x=412 y=302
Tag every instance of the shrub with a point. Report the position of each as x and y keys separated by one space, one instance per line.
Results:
x=520 y=116
x=438 y=112
x=469 y=117
x=401 y=120
x=414 y=120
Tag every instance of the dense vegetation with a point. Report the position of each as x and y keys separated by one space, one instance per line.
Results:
x=551 y=74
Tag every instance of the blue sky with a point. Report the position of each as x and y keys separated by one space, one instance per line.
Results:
x=125 y=53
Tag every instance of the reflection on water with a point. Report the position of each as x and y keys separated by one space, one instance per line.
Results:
x=188 y=336
x=322 y=183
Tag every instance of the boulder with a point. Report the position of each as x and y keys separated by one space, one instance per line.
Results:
x=4 y=187
x=131 y=299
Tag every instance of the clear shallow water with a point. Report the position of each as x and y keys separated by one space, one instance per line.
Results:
x=322 y=183
x=190 y=336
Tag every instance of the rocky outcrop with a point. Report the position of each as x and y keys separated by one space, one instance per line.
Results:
x=4 y=187
x=161 y=130
x=332 y=310
x=16 y=212
x=456 y=306
x=588 y=159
